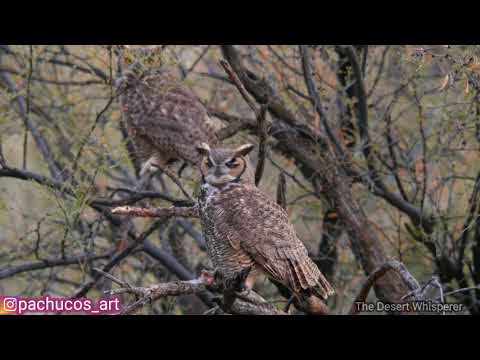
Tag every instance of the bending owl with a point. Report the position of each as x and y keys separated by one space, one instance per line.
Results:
x=164 y=118
x=246 y=231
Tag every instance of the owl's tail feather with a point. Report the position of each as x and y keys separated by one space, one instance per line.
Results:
x=324 y=289
x=317 y=282
x=304 y=275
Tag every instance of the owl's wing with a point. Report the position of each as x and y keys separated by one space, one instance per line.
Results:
x=256 y=224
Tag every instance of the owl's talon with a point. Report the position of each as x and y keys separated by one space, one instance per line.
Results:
x=207 y=277
x=289 y=303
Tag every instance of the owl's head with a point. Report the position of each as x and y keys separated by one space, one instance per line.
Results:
x=221 y=166
x=140 y=59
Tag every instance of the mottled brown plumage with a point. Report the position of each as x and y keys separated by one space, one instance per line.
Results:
x=246 y=229
x=164 y=118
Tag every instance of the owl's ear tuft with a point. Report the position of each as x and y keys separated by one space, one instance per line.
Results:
x=244 y=150
x=203 y=149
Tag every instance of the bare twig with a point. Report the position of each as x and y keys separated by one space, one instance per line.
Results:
x=379 y=72
x=197 y=61
x=90 y=132
x=473 y=209
x=457 y=291
x=40 y=141
x=177 y=182
x=246 y=96
x=236 y=124
x=138 y=240
x=282 y=190
x=393 y=155
x=315 y=99
x=139 y=196
x=3 y=163
x=379 y=188
x=262 y=147
x=28 y=106
x=113 y=278
x=47 y=264
x=164 y=213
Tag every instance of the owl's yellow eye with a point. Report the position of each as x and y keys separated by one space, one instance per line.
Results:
x=233 y=163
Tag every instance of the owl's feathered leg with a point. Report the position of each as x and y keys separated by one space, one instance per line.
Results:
x=147 y=171
x=234 y=285
x=152 y=166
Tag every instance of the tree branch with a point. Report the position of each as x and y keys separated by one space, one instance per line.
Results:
x=262 y=147
x=409 y=280
x=46 y=264
x=246 y=304
x=164 y=213
x=40 y=141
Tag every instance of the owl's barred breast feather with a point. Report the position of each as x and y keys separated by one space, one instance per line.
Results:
x=252 y=227
x=164 y=117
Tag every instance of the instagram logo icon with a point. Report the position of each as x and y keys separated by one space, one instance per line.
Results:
x=8 y=305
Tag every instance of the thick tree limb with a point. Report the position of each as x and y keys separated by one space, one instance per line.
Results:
x=409 y=280
x=246 y=304
x=315 y=100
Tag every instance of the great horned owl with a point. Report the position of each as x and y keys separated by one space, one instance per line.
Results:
x=246 y=231
x=164 y=118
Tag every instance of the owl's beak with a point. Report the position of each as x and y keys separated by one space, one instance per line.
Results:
x=219 y=180
x=219 y=172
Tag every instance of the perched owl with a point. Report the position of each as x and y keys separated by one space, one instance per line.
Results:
x=164 y=118
x=246 y=231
